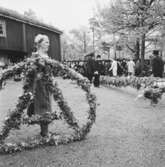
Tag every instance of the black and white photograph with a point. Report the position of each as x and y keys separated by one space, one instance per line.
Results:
x=82 y=83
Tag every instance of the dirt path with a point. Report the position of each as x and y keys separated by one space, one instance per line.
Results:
x=127 y=133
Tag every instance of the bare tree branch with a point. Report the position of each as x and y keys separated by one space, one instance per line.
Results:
x=132 y=50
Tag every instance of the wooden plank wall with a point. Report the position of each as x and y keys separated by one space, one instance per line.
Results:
x=20 y=37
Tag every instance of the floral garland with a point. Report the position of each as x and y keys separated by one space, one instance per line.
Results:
x=10 y=72
x=154 y=94
x=135 y=82
x=151 y=89
x=14 y=120
x=37 y=119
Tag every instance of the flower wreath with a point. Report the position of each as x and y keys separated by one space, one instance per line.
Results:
x=13 y=121
x=151 y=90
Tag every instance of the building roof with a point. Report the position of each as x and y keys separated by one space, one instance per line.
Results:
x=14 y=15
x=91 y=54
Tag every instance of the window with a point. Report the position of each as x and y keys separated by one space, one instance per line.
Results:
x=2 y=28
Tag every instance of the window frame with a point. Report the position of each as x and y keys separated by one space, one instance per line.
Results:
x=3 y=24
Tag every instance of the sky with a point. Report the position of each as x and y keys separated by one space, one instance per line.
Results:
x=63 y=14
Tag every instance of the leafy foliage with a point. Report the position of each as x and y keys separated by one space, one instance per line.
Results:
x=136 y=19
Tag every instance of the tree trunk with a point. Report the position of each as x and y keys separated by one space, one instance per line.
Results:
x=84 y=43
x=137 y=49
x=142 y=51
x=143 y=39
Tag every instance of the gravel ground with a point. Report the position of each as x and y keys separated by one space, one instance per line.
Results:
x=127 y=132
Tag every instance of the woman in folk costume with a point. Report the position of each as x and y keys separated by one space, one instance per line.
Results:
x=114 y=67
x=40 y=90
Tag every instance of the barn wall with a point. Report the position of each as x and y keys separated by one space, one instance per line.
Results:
x=54 y=50
x=19 y=40
x=13 y=39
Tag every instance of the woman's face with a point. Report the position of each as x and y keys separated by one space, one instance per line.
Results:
x=44 y=45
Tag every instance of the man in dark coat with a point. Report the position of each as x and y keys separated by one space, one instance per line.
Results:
x=89 y=66
x=157 y=65
x=99 y=70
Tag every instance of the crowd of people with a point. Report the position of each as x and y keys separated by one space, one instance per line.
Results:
x=92 y=67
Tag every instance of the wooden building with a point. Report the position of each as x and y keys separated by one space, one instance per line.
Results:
x=17 y=34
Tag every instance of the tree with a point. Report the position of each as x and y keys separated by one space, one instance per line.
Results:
x=133 y=17
x=64 y=46
x=75 y=44
x=68 y=49
x=30 y=14
x=81 y=39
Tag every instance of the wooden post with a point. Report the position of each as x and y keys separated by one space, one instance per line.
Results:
x=24 y=37
x=108 y=53
x=93 y=31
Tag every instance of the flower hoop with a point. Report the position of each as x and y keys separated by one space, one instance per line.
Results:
x=14 y=120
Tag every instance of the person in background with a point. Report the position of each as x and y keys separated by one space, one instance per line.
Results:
x=119 y=68
x=113 y=67
x=42 y=96
x=157 y=65
x=80 y=68
x=124 y=67
x=131 y=67
x=137 y=68
x=89 y=66
x=98 y=71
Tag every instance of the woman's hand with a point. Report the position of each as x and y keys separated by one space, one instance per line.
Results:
x=39 y=75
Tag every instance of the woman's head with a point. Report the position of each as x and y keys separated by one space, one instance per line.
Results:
x=42 y=42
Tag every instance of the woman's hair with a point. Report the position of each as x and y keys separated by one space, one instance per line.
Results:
x=39 y=38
